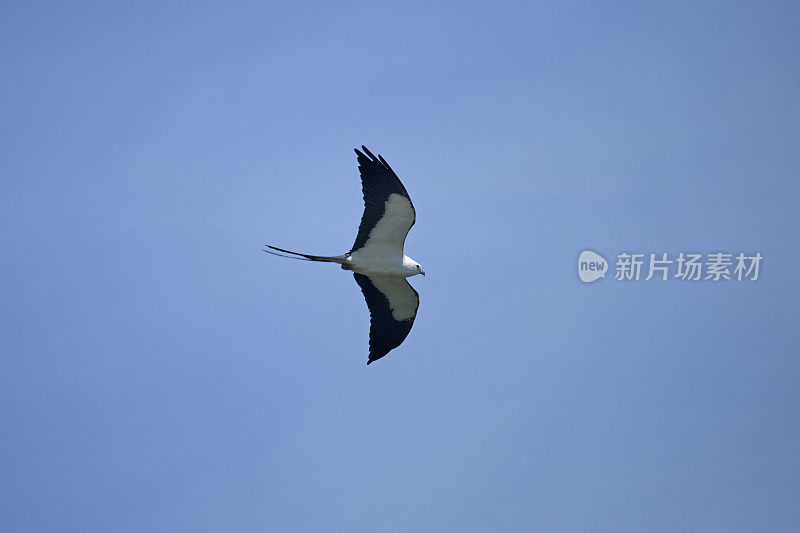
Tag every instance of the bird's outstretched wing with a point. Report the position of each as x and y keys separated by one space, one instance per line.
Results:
x=393 y=304
x=388 y=211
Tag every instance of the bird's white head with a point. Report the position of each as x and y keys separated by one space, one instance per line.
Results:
x=412 y=267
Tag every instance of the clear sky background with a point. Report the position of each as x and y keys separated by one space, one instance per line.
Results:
x=158 y=372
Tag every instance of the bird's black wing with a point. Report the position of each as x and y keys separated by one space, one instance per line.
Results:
x=388 y=211
x=393 y=305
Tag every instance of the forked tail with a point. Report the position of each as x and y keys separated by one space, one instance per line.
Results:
x=306 y=257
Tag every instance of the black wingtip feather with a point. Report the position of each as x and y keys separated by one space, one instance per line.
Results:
x=366 y=150
x=371 y=157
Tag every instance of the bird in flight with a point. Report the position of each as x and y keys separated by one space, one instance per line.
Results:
x=377 y=260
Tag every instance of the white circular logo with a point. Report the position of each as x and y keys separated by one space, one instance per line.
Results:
x=591 y=266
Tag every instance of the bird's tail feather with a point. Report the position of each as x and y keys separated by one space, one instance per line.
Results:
x=306 y=257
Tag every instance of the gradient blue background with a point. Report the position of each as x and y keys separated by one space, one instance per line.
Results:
x=160 y=373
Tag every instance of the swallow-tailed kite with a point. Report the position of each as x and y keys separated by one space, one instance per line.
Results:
x=377 y=259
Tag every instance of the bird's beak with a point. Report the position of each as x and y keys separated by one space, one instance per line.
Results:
x=422 y=272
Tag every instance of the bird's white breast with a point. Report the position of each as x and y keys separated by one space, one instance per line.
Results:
x=378 y=261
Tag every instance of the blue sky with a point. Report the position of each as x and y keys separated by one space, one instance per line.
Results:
x=160 y=373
